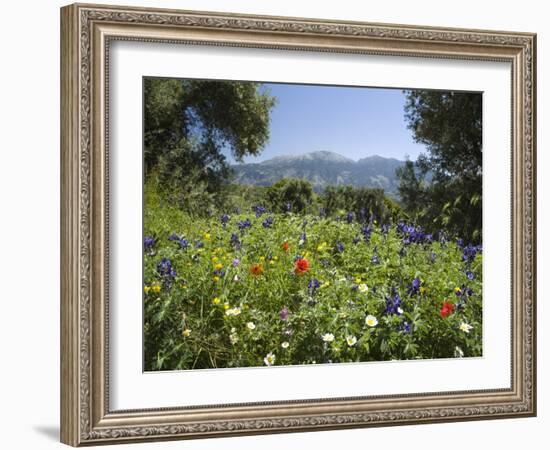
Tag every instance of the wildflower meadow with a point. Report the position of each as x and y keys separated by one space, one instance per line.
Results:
x=256 y=288
x=309 y=258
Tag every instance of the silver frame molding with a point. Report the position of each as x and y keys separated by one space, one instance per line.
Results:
x=86 y=31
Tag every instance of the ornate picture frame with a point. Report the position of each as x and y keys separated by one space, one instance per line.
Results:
x=87 y=31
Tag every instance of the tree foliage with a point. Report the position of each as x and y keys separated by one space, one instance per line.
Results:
x=443 y=188
x=290 y=194
x=188 y=124
x=365 y=203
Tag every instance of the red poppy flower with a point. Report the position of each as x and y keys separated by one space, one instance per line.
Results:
x=256 y=269
x=301 y=265
x=285 y=246
x=447 y=309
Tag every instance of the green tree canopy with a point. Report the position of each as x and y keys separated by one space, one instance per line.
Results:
x=189 y=123
x=366 y=203
x=290 y=194
x=443 y=187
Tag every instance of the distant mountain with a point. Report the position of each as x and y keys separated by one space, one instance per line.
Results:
x=323 y=168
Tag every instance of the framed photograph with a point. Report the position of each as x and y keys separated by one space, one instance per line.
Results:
x=276 y=224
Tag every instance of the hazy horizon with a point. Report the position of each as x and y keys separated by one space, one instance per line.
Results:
x=355 y=122
x=259 y=159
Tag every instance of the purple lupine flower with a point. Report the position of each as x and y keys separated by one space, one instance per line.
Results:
x=356 y=240
x=385 y=228
x=283 y=314
x=267 y=222
x=339 y=247
x=393 y=304
x=258 y=210
x=375 y=260
x=405 y=327
x=469 y=252
x=224 y=219
x=414 y=288
x=244 y=224
x=165 y=268
x=313 y=285
x=235 y=242
x=199 y=244
x=367 y=231
x=288 y=207
x=349 y=217
x=166 y=271
x=173 y=237
x=470 y=275
x=148 y=242
x=183 y=243
x=236 y=262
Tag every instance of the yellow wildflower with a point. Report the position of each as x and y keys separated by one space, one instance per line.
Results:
x=146 y=289
x=186 y=332
x=262 y=258
x=226 y=305
x=206 y=236
x=215 y=259
x=218 y=266
x=216 y=300
x=155 y=288
x=216 y=279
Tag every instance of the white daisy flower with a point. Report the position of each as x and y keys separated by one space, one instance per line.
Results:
x=269 y=360
x=285 y=344
x=327 y=337
x=465 y=327
x=250 y=325
x=371 y=321
x=233 y=311
x=351 y=340
x=233 y=338
x=363 y=288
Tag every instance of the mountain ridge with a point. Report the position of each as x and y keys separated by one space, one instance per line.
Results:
x=323 y=168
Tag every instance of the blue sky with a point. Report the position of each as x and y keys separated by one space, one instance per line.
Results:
x=353 y=121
